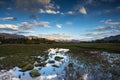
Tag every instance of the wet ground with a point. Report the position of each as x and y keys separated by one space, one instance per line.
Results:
x=63 y=65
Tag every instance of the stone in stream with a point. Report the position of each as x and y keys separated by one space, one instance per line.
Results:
x=34 y=73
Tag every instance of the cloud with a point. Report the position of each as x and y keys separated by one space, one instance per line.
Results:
x=59 y=25
x=69 y=23
x=23 y=32
x=109 y=21
x=44 y=2
x=113 y=10
x=70 y=12
x=8 y=27
x=103 y=28
x=111 y=28
x=30 y=25
x=82 y=10
x=41 y=6
x=78 y=10
x=56 y=36
x=101 y=32
x=101 y=35
x=49 y=11
x=8 y=19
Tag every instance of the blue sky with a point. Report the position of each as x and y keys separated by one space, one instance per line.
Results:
x=61 y=19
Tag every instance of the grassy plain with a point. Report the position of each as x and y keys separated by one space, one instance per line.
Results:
x=19 y=54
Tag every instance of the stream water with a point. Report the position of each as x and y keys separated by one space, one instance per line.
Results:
x=87 y=65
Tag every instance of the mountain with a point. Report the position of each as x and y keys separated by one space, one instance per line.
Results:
x=117 y=37
x=13 y=36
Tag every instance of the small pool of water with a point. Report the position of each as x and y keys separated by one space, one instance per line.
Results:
x=87 y=65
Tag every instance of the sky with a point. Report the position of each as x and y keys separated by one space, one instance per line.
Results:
x=61 y=19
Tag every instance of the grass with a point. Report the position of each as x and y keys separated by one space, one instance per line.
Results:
x=19 y=54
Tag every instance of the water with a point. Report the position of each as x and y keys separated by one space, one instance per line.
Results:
x=87 y=65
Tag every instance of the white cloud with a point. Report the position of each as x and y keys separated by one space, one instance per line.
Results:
x=8 y=27
x=30 y=25
x=59 y=25
x=8 y=19
x=49 y=11
x=70 y=12
x=52 y=12
x=82 y=10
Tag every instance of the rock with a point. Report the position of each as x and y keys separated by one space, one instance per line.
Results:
x=58 y=58
x=27 y=67
x=51 y=61
x=34 y=73
x=55 y=66
x=70 y=65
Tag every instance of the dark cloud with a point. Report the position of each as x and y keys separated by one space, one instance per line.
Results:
x=35 y=5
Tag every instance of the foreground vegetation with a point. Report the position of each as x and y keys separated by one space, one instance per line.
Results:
x=21 y=54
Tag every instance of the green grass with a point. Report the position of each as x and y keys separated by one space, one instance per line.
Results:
x=19 y=54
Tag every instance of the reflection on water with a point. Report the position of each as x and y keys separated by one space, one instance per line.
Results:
x=87 y=65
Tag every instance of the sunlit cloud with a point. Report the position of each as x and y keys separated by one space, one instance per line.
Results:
x=78 y=10
x=83 y=10
x=8 y=27
x=56 y=36
x=49 y=11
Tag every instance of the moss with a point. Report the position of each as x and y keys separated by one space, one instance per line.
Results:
x=55 y=66
x=58 y=58
x=34 y=73
x=41 y=64
x=51 y=61
x=27 y=67
x=70 y=65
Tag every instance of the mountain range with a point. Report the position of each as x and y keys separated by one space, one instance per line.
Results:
x=15 y=36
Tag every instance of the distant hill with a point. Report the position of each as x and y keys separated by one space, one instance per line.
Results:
x=117 y=37
x=13 y=36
